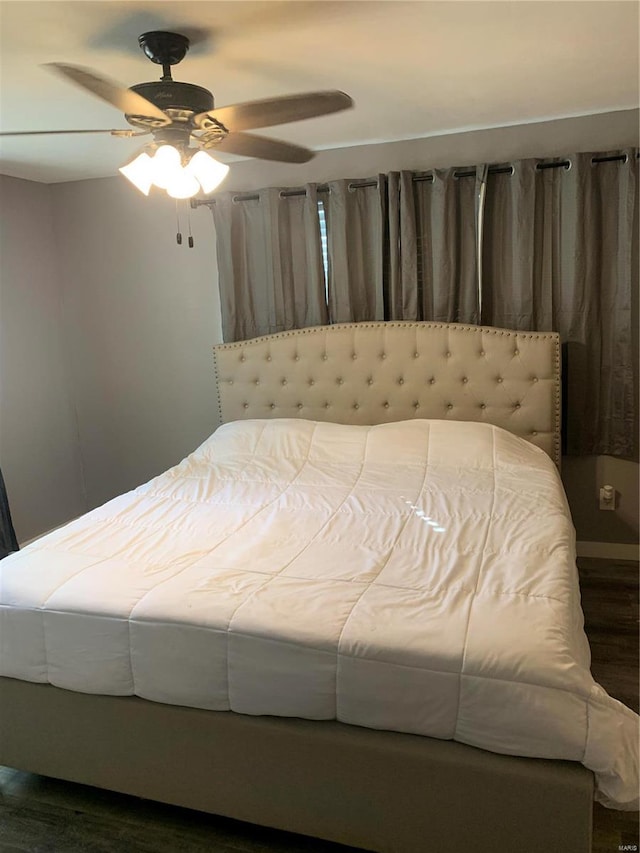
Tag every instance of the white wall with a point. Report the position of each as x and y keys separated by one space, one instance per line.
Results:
x=39 y=451
x=141 y=313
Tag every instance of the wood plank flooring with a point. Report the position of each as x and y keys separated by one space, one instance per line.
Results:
x=609 y=594
x=42 y=815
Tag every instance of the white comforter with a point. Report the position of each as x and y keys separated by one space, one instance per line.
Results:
x=417 y=576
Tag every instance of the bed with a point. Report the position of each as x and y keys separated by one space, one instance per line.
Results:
x=337 y=734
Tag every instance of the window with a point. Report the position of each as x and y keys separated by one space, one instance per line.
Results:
x=325 y=251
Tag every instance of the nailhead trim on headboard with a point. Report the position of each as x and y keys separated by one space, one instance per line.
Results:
x=367 y=373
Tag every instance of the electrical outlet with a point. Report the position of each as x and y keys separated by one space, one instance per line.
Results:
x=607 y=498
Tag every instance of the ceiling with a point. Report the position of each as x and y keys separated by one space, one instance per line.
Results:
x=414 y=69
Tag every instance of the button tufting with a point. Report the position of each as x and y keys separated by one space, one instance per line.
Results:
x=535 y=379
x=401 y=381
x=483 y=405
x=386 y=405
x=299 y=405
x=449 y=405
x=243 y=358
x=383 y=355
x=245 y=405
x=268 y=358
x=325 y=357
x=257 y=381
x=353 y=356
x=516 y=406
x=296 y=358
x=284 y=381
x=340 y=381
x=272 y=405
x=464 y=380
x=533 y=432
x=356 y=405
x=447 y=354
x=482 y=352
x=416 y=355
x=432 y=381
x=416 y=405
x=369 y=381
x=516 y=352
x=326 y=405
x=231 y=382
x=312 y=382
x=499 y=379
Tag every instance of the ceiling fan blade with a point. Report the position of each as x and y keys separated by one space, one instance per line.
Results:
x=57 y=132
x=124 y=99
x=282 y=110
x=249 y=145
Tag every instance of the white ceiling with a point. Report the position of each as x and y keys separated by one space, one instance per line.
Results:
x=413 y=68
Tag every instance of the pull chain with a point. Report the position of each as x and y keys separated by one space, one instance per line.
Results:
x=178 y=234
x=189 y=221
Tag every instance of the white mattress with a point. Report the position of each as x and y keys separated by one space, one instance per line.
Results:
x=417 y=576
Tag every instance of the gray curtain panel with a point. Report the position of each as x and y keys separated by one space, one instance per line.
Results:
x=560 y=250
x=521 y=247
x=271 y=275
x=8 y=541
x=435 y=226
x=356 y=243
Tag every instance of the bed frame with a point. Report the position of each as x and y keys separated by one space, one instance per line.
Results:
x=381 y=791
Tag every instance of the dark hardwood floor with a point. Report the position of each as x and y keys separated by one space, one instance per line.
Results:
x=44 y=815
x=610 y=604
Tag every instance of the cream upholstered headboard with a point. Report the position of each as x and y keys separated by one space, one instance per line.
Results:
x=371 y=373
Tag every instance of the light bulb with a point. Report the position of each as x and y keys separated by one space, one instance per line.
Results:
x=140 y=172
x=207 y=170
x=167 y=166
x=182 y=185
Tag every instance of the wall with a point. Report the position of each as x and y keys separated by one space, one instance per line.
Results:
x=142 y=313
x=39 y=451
x=582 y=478
x=497 y=145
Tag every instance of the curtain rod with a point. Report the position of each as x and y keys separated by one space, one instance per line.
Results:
x=426 y=178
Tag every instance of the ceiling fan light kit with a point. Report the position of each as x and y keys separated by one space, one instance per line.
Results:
x=182 y=176
x=182 y=115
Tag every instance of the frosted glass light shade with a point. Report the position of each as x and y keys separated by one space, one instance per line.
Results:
x=140 y=172
x=208 y=171
x=182 y=185
x=167 y=166
x=165 y=170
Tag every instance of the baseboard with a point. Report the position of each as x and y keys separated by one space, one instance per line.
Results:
x=608 y=550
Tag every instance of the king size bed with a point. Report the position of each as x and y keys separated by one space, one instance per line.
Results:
x=352 y=613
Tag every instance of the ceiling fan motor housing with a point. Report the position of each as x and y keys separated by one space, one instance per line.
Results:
x=171 y=94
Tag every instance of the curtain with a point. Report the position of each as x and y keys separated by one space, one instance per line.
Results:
x=355 y=217
x=560 y=246
x=532 y=246
x=8 y=541
x=434 y=228
x=270 y=268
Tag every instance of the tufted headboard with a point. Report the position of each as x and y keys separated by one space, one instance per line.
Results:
x=371 y=373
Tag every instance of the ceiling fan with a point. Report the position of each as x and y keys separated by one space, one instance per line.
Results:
x=178 y=115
